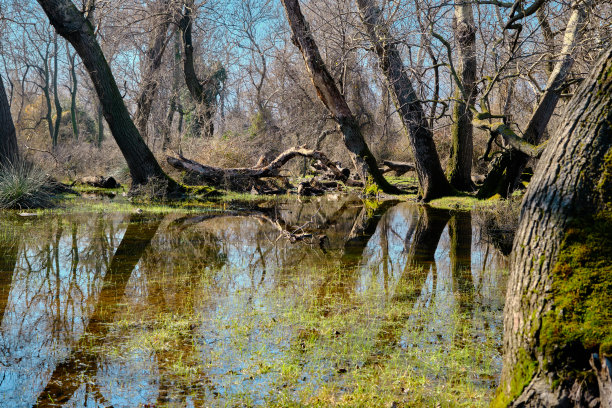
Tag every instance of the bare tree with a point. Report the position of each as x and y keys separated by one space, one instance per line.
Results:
x=328 y=93
x=204 y=92
x=432 y=180
x=158 y=40
x=525 y=147
x=71 y=24
x=460 y=162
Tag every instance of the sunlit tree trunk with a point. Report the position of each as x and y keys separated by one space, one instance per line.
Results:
x=204 y=92
x=462 y=147
x=558 y=313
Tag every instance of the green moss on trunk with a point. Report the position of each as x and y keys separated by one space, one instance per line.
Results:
x=524 y=371
x=582 y=283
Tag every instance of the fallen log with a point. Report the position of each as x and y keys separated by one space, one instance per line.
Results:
x=99 y=182
x=399 y=167
x=245 y=178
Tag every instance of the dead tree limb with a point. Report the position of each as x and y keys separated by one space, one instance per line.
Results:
x=238 y=178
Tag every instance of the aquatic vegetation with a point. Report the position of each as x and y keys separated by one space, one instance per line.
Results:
x=178 y=307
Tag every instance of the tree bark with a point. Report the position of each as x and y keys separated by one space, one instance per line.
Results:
x=9 y=152
x=558 y=313
x=73 y=26
x=543 y=111
x=432 y=180
x=328 y=93
x=460 y=162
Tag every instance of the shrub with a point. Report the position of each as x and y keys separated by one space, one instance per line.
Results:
x=24 y=185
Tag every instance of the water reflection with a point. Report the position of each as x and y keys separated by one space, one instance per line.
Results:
x=241 y=308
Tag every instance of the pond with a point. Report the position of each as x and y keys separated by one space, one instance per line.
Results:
x=318 y=303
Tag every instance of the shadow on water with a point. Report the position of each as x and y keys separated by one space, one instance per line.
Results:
x=312 y=302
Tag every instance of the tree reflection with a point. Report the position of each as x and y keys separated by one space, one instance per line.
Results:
x=83 y=359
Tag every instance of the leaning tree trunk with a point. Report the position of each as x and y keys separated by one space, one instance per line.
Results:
x=558 y=314
x=460 y=162
x=513 y=166
x=9 y=152
x=432 y=180
x=328 y=92
x=73 y=26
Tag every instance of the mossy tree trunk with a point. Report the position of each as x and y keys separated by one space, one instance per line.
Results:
x=432 y=180
x=558 y=313
x=71 y=24
x=460 y=162
x=9 y=152
x=329 y=94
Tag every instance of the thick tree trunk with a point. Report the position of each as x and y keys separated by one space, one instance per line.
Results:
x=558 y=313
x=429 y=170
x=9 y=152
x=460 y=161
x=152 y=62
x=543 y=112
x=72 y=25
x=328 y=92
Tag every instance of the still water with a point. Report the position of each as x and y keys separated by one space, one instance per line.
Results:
x=299 y=303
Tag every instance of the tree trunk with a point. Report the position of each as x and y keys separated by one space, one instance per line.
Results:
x=73 y=92
x=328 y=93
x=56 y=100
x=460 y=161
x=544 y=110
x=432 y=180
x=558 y=313
x=152 y=62
x=9 y=152
x=73 y=26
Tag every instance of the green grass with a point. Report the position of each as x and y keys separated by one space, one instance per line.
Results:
x=24 y=186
